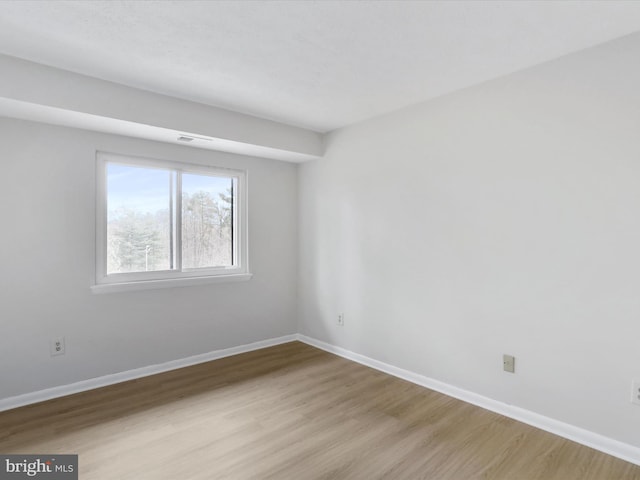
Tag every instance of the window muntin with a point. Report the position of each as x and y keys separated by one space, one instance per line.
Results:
x=162 y=220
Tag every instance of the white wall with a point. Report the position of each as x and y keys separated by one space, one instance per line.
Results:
x=504 y=218
x=47 y=198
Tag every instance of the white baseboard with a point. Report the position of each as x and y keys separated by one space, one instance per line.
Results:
x=599 y=442
x=92 y=383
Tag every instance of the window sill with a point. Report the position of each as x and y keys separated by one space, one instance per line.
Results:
x=168 y=283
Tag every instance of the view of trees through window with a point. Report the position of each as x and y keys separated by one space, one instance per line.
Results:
x=142 y=219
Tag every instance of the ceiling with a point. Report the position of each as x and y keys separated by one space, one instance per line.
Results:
x=314 y=64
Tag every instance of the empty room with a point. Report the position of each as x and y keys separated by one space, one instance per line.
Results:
x=320 y=240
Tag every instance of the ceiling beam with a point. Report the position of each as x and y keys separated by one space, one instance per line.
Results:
x=36 y=92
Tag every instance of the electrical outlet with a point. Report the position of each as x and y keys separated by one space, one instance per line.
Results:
x=341 y=319
x=509 y=363
x=57 y=346
x=635 y=392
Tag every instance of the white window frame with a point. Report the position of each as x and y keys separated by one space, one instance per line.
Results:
x=178 y=277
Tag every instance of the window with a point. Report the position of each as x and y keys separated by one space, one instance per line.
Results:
x=160 y=223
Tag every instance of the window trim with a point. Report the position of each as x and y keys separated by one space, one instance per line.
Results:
x=168 y=278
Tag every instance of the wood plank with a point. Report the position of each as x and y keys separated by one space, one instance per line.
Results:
x=292 y=412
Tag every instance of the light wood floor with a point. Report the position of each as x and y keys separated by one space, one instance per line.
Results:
x=291 y=412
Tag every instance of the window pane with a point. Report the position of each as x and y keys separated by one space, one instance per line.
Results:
x=139 y=210
x=207 y=221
